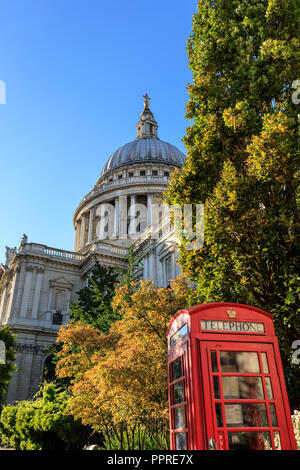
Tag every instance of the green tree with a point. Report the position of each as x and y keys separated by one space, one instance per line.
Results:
x=94 y=301
x=94 y=305
x=129 y=275
x=243 y=160
x=119 y=380
x=9 y=355
x=42 y=424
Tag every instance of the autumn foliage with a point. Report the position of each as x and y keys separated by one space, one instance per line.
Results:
x=119 y=380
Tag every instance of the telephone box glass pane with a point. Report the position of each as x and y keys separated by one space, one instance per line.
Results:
x=180 y=440
x=249 y=440
x=277 y=441
x=214 y=364
x=216 y=386
x=239 y=361
x=219 y=415
x=177 y=369
x=178 y=393
x=178 y=335
x=246 y=415
x=273 y=414
x=179 y=417
x=269 y=388
x=242 y=387
x=265 y=362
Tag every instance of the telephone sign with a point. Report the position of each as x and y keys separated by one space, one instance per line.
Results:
x=242 y=327
x=226 y=382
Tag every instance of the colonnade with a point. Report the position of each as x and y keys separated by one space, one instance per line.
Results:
x=85 y=231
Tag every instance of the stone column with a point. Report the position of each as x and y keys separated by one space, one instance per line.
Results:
x=116 y=218
x=37 y=292
x=123 y=216
x=91 y=221
x=153 y=267
x=146 y=262
x=163 y=272
x=26 y=291
x=12 y=313
x=132 y=227
x=67 y=313
x=149 y=209
x=49 y=313
x=102 y=222
x=150 y=265
x=24 y=371
x=160 y=280
x=7 y=303
x=9 y=312
x=3 y=298
x=173 y=264
x=77 y=236
x=82 y=231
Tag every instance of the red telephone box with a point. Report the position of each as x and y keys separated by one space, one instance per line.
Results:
x=226 y=383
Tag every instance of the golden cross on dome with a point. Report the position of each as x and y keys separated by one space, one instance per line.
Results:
x=147 y=98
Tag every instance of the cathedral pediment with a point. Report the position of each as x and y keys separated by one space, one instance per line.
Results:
x=62 y=283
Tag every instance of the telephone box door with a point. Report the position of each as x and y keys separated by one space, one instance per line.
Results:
x=242 y=396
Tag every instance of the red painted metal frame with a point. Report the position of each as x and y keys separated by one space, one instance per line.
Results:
x=193 y=347
x=207 y=347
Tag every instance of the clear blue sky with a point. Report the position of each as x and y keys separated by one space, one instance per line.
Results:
x=75 y=72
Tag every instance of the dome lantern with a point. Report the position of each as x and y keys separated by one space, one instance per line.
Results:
x=147 y=126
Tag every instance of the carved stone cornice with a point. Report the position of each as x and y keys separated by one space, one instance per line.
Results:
x=29 y=268
x=31 y=348
x=40 y=270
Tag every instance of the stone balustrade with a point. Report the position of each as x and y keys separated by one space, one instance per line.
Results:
x=63 y=254
x=98 y=245
x=147 y=233
x=37 y=248
x=165 y=229
x=110 y=249
x=104 y=187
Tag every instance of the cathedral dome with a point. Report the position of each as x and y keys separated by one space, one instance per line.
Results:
x=144 y=150
x=147 y=148
x=131 y=182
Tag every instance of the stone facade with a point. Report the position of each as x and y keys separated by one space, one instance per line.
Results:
x=38 y=283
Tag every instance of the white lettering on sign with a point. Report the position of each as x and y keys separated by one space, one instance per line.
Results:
x=232 y=326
